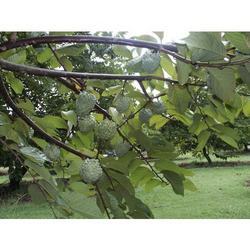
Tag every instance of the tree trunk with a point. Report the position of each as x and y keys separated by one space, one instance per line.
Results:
x=205 y=153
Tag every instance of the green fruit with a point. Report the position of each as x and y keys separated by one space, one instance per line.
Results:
x=145 y=115
x=91 y=170
x=122 y=148
x=86 y=123
x=85 y=103
x=150 y=62
x=52 y=152
x=122 y=104
x=105 y=130
x=157 y=107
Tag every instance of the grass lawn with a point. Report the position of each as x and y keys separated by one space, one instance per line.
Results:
x=222 y=193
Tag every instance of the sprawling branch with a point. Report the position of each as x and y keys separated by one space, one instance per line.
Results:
x=59 y=73
x=26 y=119
x=87 y=39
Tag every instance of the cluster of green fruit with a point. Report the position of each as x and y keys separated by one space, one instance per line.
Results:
x=105 y=130
x=154 y=108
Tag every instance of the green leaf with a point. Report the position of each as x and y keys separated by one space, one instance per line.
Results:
x=189 y=185
x=36 y=193
x=141 y=175
x=148 y=38
x=165 y=164
x=183 y=71
x=86 y=206
x=34 y=154
x=224 y=130
x=168 y=65
x=50 y=191
x=123 y=180
x=66 y=63
x=70 y=116
x=51 y=122
x=222 y=83
x=158 y=121
x=7 y=53
x=112 y=90
x=179 y=97
x=26 y=105
x=44 y=55
x=114 y=206
x=176 y=181
x=246 y=107
x=82 y=188
x=19 y=57
x=72 y=50
x=41 y=171
x=202 y=140
x=40 y=142
x=229 y=141
x=4 y=119
x=244 y=75
x=113 y=163
x=151 y=184
x=198 y=125
x=15 y=83
x=160 y=34
x=122 y=51
x=239 y=40
x=96 y=83
x=206 y=46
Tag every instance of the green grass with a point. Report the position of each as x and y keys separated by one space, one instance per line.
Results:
x=24 y=210
x=222 y=193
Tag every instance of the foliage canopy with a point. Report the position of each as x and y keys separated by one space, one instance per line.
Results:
x=71 y=97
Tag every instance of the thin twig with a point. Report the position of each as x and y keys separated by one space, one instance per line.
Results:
x=144 y=90
x=102 y=200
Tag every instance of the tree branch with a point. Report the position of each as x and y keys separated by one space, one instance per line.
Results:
x=87 y=39
x=59 y=73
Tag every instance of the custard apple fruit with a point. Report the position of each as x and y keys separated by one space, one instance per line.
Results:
x=87 y=123
x=122 y=103
x=157 y=107
x=150 y=62
x=145 y=114
x=85 y=103
x=121 y=148
x=91 y=170
x=52 y=152
x=105 y=130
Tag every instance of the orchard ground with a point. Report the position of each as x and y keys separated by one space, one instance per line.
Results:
x=223 y=192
